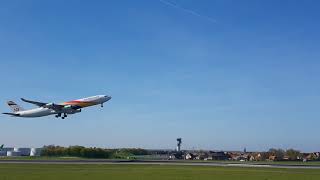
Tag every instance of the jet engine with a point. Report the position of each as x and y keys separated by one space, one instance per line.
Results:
x=69 y=109
x=49 y=105
x=73 y=111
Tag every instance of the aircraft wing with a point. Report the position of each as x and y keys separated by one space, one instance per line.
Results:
x=40 y=104
x=56 y=107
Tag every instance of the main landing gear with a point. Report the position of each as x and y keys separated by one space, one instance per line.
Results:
x=101 y=105
x=64 y=115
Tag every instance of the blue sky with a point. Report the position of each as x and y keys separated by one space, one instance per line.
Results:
x=221 y=74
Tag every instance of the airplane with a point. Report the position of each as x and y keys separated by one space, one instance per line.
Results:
x=60 y=110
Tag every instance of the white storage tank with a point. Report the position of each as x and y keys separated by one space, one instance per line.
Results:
x=33 y=152
x=13 y=153
x=9 y=153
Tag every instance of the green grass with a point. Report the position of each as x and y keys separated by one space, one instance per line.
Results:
x=149 y=172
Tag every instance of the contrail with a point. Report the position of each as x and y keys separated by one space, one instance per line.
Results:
x=167 y=3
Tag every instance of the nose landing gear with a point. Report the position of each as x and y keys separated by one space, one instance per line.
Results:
x=101 y=105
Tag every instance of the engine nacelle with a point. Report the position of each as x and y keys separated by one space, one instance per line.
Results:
x=49 y=105
x=68 y=107
x=73 y=111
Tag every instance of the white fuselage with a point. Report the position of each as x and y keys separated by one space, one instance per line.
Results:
x=80 y=103
x=37 y=112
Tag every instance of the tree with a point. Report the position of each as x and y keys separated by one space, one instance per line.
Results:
x=279 y=153
x=80 y=151
x=74 y=150
x=293 y=154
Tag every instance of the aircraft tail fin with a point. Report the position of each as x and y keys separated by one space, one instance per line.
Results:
x=14 y=107
x=1 y=147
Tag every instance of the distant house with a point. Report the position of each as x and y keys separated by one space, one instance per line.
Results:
x=238 y=156
x=252 y=157
x=311 y=156
x=190 y=156
x=202 y=156
x=171 y=157
x=257 y=156
x=179 y=155
x=273 y=158
x=234 y=156
x=286 y=158
x=219 y=155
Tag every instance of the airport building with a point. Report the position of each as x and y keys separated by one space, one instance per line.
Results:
x=3 y=153
x=11 y=152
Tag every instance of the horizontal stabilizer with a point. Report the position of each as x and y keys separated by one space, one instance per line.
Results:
x=12 y=114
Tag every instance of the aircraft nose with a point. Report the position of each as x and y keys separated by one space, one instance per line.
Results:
x=107 y=97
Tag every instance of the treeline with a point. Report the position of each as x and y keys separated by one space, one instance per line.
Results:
x=80 y=151
x=281 y=155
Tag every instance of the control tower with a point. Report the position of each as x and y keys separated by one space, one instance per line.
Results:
x=179 y=142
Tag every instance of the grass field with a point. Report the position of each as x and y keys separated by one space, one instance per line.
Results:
x=149 y=172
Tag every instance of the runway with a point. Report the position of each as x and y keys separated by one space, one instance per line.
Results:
x=158 y=162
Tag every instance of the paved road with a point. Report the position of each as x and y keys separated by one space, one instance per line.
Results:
x=160 y=162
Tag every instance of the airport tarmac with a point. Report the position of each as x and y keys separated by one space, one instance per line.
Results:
x=156 y=162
